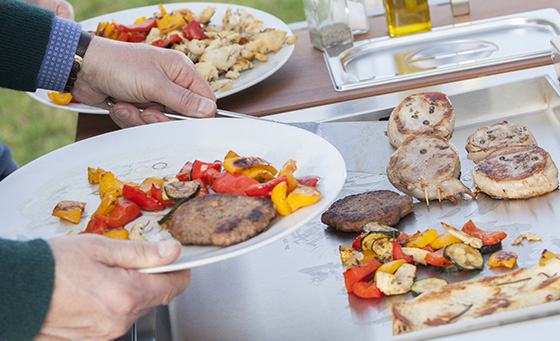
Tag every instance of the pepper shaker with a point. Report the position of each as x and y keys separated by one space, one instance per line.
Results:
x=328 y=23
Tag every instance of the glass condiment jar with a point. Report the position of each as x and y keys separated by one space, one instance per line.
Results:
x=407 y=17
x=358 y=16
x=328 y=23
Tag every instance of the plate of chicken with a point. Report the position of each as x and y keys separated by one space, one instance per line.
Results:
x=233 y=47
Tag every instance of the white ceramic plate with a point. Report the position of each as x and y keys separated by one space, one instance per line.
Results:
x=248 y=78
x=30 y=194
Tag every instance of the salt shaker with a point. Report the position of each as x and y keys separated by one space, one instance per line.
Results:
x=328 y=23
x=358 y=16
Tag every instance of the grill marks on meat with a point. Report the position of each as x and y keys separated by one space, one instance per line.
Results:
x=489 y=138
x=424 y=113
x=427 y=167
x=351 y=213
x=221 y=219
x=516 y=172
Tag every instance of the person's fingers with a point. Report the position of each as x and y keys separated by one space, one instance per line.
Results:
x=65 y=10
x=127 y=115
x=139 y=255
x=187 y=102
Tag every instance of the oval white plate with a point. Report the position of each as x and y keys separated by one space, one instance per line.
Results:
x=30 y=194
x=248 y=78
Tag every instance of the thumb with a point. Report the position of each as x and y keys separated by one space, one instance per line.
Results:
x=139 y=255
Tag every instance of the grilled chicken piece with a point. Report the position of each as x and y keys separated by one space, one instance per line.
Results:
x=427 y=167
x=487 y=139
x=424 y=113
x=516 y=172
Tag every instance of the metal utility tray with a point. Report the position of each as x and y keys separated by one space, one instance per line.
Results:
x=294 y=289
x=444 y=50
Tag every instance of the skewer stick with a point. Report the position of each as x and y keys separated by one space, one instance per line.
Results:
x=426 y=196
x=527 y=185
x=545 y=178
x=439 y=194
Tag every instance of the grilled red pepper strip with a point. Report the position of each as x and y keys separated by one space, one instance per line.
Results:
x=308 y=180
x=144 y=200
x=143 y=26
x=265 y=188
x=137 y=37
x=96 y=226
x=228 y=183
x=367 y=290
x=357 y=244
x=157 y=193
x=194 y=30
x=398 y=254
x=124 y=212
x=185 y=172
x=200 y=169
x=360 y=273
x=165 y=43
x=436 y=258
x=487 y=237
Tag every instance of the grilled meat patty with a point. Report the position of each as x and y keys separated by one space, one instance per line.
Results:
x=221 y=219
x=489 y=138
x=350 y=213
x=427 y=167
x=423 y=113
x=516 y=172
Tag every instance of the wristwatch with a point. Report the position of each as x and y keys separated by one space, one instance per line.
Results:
x=83 y=43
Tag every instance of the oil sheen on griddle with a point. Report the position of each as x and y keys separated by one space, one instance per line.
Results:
x=407 y=17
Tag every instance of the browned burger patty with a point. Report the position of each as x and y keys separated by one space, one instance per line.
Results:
x=349 y=214
x=221 y=219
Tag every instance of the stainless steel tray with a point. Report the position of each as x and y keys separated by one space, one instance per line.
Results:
x=444 y=50
x=294 y=289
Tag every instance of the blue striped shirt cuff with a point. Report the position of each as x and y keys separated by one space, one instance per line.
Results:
x=59 y=56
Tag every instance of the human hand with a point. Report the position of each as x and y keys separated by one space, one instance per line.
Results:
x=145 y=76
x=98 y=292
x=62 y=8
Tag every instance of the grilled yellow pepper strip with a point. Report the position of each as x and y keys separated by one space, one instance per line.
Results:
x=390 y=267
x=503 y=258
x=69 y=210
x=278 y=197
x=423 y=239
x=444 y=240
x=546 y=255
x=302 y=196
x=288 y=170
x=107 y=204
x=116 y=234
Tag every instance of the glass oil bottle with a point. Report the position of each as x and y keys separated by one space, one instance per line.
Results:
x=407 y=17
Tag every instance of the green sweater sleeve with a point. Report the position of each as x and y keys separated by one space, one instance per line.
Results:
x=26 y=285
x=24 y=34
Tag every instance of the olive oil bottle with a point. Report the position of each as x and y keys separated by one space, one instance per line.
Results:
x=407 y=17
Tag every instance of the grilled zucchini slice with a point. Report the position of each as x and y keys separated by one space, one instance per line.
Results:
x=181 y=190
x=426 y=284
x=463 y=256
x=374 y=226
x=491 y=248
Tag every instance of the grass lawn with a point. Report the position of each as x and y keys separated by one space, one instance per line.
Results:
x=33 y=129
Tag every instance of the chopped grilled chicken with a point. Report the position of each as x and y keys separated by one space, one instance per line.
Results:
x=487 y=139
x=223 y=57
x=207 y=70
x=427 y=167
x=423 y=113
x=516 y=172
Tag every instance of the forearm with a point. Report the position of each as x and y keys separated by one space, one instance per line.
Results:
x=38 y=48
x=27 y=272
